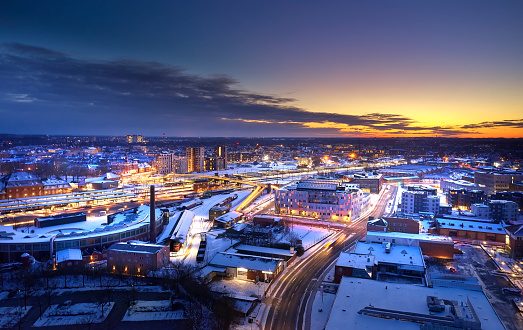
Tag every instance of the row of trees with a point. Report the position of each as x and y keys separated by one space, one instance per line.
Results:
x=58 y=168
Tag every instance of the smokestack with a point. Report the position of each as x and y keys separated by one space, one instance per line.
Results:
x=152 y=218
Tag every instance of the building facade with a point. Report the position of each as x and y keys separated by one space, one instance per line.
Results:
x=136 y=257
x=368 y=182
x=505 y=211
x=463 y=199
x=515 y=240
x=320 y=200
x=195 y=159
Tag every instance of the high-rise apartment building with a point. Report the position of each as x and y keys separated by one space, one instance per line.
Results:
x=195 y=159
x=165 y=163
x=220 y=158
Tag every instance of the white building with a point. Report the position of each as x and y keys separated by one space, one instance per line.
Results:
x=180 y=165
x=499 y=210
x=480 y=210
x=413 y=202
x=322 y=200
x=367 y=304
x=502 y=210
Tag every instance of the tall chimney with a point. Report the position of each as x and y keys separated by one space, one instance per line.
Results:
x=152 y=218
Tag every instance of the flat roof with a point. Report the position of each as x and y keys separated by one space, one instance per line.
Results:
x=136 y=247
x=316 y=186
x=399 y=254
x=359 y=261
x=420 y=237
x=355 y=294
x=239 y=260
x=484 y=227
x=229 y=216
x=261 y=249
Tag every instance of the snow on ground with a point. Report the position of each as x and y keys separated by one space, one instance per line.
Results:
x=308 y=235
x=158 y=310
x=319 y=319
x=215 y=245
x=10 y=316
x=239 y=288
x=82 y=313
x=4 y=294
x=329 y=277
x=202 y=225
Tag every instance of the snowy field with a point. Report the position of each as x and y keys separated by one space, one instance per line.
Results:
x=238 y=288
x=10 y=316
x=82 y=313
x=4 y=294
x=308 y=235
x=157 y=310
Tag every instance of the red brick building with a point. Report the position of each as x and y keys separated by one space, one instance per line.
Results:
x=136 y=257
x=515 y=240
x=20 y=185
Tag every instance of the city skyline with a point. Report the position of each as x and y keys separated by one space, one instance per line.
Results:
x=373 y=69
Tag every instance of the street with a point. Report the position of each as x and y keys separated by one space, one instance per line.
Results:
x=288 y=299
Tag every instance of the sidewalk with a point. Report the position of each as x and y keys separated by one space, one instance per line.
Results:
x=507 y=265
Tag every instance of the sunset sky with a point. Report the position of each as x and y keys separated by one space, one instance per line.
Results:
x=262 y=68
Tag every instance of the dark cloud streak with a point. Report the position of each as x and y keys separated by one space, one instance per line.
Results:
x=145 y=93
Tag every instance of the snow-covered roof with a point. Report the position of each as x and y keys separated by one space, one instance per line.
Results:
x=516 y=230
x=386 y=236
x=238 y=260
x=112 y=176
x=484 y=227
x=138 y=247
x=399 y=254
x=228 y=217
x=20 y=179
x=55 y=182
x=355 y=294
x=261 y=249
x=68 y=255
x=183 y=226
x=353 y=260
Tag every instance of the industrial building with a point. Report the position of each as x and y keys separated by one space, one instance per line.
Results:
x=375 y=260
x=431 y=245
x=367 y=304
x=247 y=267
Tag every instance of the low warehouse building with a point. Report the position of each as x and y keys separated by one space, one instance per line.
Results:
x=431 y=245
x=247 y=267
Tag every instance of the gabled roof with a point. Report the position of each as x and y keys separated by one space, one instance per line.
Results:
x=516 y=230
x=378 y=222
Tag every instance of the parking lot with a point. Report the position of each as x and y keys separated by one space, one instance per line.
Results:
x=475 y=262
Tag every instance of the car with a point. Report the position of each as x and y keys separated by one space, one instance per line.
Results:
x=452 y=270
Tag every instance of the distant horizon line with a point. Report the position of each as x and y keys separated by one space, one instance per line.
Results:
x=268 y=137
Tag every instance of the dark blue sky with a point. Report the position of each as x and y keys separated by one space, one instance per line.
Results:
x=262 y=68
